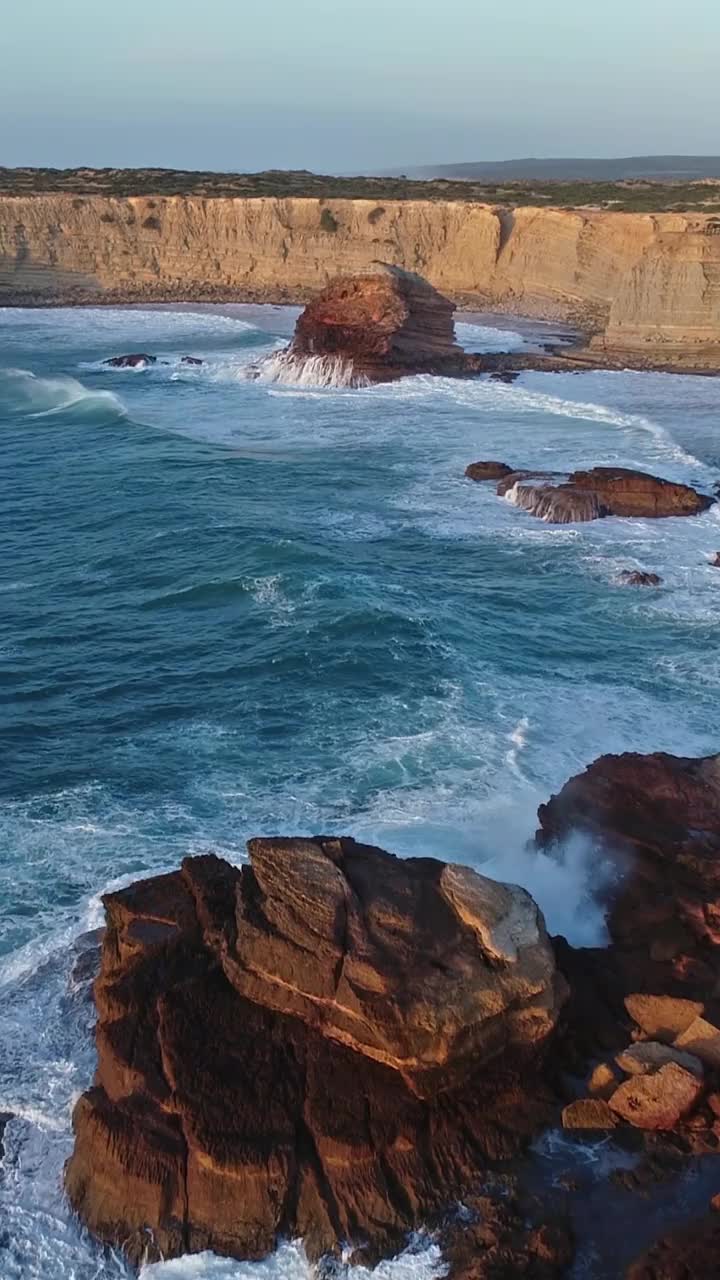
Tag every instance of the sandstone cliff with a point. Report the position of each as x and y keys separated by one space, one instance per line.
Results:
x=636 y=281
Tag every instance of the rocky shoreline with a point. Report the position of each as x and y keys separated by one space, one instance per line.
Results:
x=335 y=1043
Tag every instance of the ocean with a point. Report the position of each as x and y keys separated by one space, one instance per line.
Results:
x=232 y=607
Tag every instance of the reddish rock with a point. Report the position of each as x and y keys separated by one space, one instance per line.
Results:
x=588 y=1113
x=657 y=1100
x=385 y=322
x=702 y=1039
x=662 y=1018
x=601 y=491
x=658 y=818
x=136 y=360
x=331 y=1043
x=604 y=1081
x=488 y=470
x=690 y=1253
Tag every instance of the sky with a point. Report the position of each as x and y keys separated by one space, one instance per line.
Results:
x=353 y=86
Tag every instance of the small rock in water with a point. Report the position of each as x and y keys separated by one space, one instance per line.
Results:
x=588 y=1113
x=640 y=578
x=136 y=360
x=658 y=1100
x=191 y=360
x=715 y=562
x=488 y=470
x=604 y=1081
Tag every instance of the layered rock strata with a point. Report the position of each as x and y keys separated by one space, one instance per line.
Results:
x=647 y=285
x=330 y=1043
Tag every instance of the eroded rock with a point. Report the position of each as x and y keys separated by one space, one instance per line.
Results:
x=488 y=470
x=657 y=1100
x=598 y=492
x=329 y=1043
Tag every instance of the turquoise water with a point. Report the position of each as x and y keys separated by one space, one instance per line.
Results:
x=230 y=607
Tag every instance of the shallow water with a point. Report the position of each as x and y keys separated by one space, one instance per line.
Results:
x=233 y=607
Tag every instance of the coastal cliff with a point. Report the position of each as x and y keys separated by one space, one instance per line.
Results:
x=636 y=282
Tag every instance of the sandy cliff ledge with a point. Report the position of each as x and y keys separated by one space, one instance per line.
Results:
x=636 y=281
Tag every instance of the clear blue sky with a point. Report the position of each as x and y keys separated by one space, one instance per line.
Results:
x=343 y=85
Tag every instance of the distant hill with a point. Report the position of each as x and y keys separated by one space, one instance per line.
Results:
x=652 y=168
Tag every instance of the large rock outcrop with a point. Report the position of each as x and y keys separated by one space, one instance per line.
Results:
x=330 y=1043
x=647 y=284
x=657 y=818
x=600 y=491
x=375 y=326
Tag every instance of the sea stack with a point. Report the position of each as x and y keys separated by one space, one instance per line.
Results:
x=381 y=324
x=329 y=1043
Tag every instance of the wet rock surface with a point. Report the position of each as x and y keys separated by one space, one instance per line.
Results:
x=640 y=578
x=599 y=492
x=330 y=1043
x=488 y=471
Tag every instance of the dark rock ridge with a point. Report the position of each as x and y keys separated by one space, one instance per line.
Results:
x=656 y=818
x=598 y=492
x=331 y=1043
x=141 y=360
x=640 y=578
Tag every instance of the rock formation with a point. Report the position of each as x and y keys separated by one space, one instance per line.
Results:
x=136 y=360
x=658 y=818
x=488 y=471
x=380 y=325
x=330 y=1043
x=646 y=284
x=598 y=492
x=640 y=578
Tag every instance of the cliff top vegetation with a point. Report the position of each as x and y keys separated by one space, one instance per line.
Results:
x=636 y=195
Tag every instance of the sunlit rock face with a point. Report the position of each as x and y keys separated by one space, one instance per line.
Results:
x=331 y=1042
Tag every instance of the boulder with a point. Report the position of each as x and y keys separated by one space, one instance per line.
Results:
x=488 y=470
x=650 y=1055
x=657 y=1100
x=662 y=1018
x=702 y=1039
x=600 y=491
x=640 y=578
x=330 y=1042
x=588 y=1113
x=137 y=360
x=603 y=1081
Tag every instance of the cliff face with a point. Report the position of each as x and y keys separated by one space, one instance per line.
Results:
x=634 y=280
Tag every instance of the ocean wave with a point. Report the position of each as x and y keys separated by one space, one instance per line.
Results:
x=314 y=372
x=25 y=395
x=422 y=1260
x=482 y=337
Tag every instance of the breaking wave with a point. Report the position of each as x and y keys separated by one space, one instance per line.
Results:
x=25 y=395
x=309 y=371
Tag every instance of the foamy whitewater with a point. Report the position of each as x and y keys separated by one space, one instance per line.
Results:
x=232 y=606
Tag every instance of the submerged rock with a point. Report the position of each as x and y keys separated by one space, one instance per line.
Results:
x=5 y=1118
x=331 y=1043
x=601 y=491
x=137 y=360
x=690 y=1253
x=640 y=578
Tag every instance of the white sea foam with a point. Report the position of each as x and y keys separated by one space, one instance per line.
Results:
x=420 y=1261
x=332 y=372
x=481 y=337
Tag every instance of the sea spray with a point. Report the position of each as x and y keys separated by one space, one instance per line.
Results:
x=309 y=371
